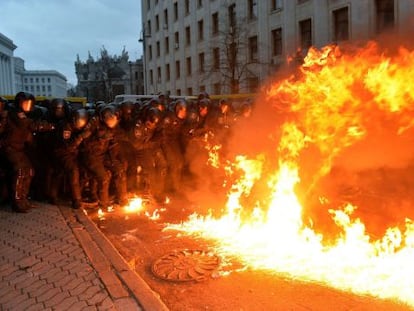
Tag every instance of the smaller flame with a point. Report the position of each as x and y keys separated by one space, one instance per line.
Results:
x=101 y=214
x=135 y=205
x=155 y=215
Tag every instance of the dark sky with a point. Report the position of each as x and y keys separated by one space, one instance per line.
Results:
x=50 y=33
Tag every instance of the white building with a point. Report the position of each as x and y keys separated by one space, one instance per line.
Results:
x=49 y=83
x=225 y=46
x=15 y=78
x=6 y=65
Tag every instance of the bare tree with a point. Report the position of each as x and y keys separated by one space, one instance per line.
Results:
x=234 y=54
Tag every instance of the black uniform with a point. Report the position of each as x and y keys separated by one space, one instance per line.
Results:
x=171 y=139
x=101 y=158
x=65 y=160
x=152 y=165
x=17 y=138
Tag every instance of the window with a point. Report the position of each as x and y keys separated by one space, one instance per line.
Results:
x=175 y=11
x=150 y=52
x=178 y=92
x=177 y=40
x=48 y=80
x=232 y=15
x=201 y=61
x=177 y=69
x=217 y=88
x=341 y=24
x=149 y=27
x=149 y=4
x=384 y=14
x=200 y=3
x=252 y=7
x=157 y=23
x=200 y=30
x=167 y=45
x=305 y=28
x=277 y=42
x=190 y=91
x=43 y=80
x=151 y=77
x=275 y=5
x=187 y=35
x=253 y=48
x=216 y=58
x=187 y=7
x=159 y=74
x=215 y=23
x=189 y=66
x=202 y=88
x=167 y=72
x=165 y=19
x=158 y=49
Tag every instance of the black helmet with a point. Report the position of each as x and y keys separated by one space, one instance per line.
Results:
x=25 y=101
x=204 y=103
x=58 y=108
x=109 y=116
x=80 y=118
x=152 y=118
x=225 y=105
x=127 y=108
x=180 y=108
x=90 y=105
x=156 y=103
x=203 y=95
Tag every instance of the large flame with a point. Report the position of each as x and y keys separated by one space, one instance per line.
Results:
x=337 y=103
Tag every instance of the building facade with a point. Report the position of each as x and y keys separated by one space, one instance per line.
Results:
x=224 y=46
x=15 y=78
x=6 y=65
x=48 y=83
x=108 y=76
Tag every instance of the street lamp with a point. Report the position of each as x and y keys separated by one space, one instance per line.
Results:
x=143 y=40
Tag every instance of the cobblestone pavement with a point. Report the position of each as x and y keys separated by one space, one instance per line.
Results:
x=54 y=258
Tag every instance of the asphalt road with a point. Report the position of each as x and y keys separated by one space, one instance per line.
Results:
x=141 y=241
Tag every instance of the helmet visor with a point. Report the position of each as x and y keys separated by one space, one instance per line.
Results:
x=27 y=105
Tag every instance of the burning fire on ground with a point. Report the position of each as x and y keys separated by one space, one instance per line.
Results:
x=341 y=112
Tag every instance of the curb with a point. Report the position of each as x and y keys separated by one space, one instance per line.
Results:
x=111 y=267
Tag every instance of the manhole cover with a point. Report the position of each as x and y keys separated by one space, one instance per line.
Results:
x=186 y=265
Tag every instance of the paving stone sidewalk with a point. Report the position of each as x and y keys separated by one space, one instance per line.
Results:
x=54 y=258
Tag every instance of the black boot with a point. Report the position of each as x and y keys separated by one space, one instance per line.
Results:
x=76 y=204
x=19 y=204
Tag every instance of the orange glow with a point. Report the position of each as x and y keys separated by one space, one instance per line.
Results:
x=352 y=110
x=135 y=205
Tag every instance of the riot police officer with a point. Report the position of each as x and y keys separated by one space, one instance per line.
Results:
x=152 y=165
x=171 y=137
x=68 y=136
x=18 y=134
x=100 y=155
